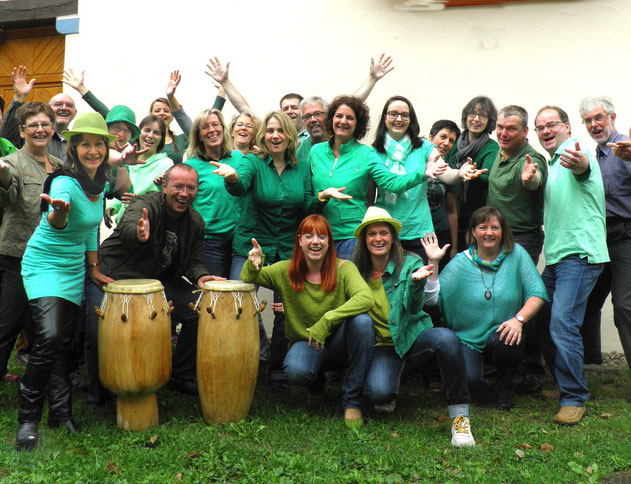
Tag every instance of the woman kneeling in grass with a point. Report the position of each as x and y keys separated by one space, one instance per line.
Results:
x=325 y=301
x=404 y=333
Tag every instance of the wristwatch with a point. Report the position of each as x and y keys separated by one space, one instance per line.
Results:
x=520 y=318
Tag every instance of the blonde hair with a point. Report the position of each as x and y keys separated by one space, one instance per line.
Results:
x=288 y=129
x=196 y=147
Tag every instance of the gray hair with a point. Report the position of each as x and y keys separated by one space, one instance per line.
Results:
x=590 y=103
x=514 y=110
x=314 y=100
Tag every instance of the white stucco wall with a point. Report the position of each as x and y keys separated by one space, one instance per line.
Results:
x=528 y=54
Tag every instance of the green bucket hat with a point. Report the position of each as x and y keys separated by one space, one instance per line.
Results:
x=120 y=113
x=377 y=215
x=89 y=123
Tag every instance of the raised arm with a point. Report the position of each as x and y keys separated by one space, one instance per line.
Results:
x=219 y=73
x=21 y=90
x=76 y=81
x=378 y=70
x=182 y=119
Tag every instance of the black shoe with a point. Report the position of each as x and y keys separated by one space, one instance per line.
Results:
x=27 y=436
x=504 y=399
x=70 y=425
x=184 y=386
x=530 y=385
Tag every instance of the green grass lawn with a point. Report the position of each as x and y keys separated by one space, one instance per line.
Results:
x=284 y=441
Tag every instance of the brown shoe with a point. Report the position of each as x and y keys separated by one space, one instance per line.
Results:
x=553 y=393
x=569 y=415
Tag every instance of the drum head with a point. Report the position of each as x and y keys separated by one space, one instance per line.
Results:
x=134 y=286
x=229 y=286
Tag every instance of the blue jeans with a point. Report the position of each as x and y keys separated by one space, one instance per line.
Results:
x=569 y=284
x=433 y=346
x=350 y=346
x=504 y=357
x=218 y=256
x=344 y=248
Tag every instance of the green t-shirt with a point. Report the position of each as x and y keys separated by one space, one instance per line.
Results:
x=302 y=153
x=522 y=208
x=574 y=212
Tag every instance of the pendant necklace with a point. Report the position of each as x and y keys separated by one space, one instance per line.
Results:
x=487 y=294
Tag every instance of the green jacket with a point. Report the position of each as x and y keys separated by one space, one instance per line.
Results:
x=406 y=297
x=322 y=312
x=6 y=147
x=355 y=167
x=272 y=205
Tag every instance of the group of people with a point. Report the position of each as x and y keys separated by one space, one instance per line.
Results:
x=413 y=252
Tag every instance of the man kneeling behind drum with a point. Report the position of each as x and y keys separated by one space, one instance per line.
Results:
x=159 y=237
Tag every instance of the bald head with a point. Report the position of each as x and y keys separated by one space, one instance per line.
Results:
x=65 y=111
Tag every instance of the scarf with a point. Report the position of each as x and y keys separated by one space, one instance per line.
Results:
x=493 y=265
x=397 y=152
x=468 y=150
x=91 y=187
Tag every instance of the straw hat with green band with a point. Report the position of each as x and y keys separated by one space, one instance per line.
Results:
x=89 y=123
x=121 y=113
x=377 y=215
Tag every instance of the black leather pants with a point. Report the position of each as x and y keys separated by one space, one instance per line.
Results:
x=54 y=321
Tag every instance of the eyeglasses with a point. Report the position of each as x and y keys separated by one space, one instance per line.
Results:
x=596 y=119
x=117 y=128
x=207 y=127
x=315 y=114
x=243 y=125
x=310 y=237
x=182 y=188
x=35 y=126
x=392 y=115
x=481 y=117
x=63 y=105
x=550 y=125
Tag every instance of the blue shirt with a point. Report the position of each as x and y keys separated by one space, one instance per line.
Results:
x=616 y=175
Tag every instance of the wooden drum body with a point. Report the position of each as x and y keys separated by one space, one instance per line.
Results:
x=135 y=348
x=227 y=350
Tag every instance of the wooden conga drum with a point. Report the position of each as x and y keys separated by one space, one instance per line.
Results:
x=227 y=350
x=134 y=348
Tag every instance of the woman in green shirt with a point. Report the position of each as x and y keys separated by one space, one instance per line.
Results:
x=243 y=129
x=325 y=301
x=478 y=119
x=404 y=333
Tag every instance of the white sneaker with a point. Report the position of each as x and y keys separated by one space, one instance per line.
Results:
x=386 y=407
x=461 y=432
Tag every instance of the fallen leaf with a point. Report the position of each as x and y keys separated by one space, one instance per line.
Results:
x=388 y=448
x=608 y=389
x=394 y=434
x=153 y=441
x=544 y=431
x=523 y=446
x=520 y=453
x=415 y=477
x=178 y=476
x=546 y=448
x=113 y=468
x=192 y=455
x=455 y=470
x=606 y=415
x=442 y=418
x=578 y=454
x=589 y=470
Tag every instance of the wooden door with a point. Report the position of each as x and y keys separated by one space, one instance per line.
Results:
x=41 y=50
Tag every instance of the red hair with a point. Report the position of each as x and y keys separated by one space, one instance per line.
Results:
x=298 y=264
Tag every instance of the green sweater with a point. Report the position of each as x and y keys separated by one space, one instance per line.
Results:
x=312 y=308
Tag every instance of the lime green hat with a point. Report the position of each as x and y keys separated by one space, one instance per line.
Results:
x=89 y=123
x=121 y=113
x=377 y=215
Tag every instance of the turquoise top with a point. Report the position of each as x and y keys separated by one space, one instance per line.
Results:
x=463 y=303
x=54 y=261
x=411 y=207
x=218 y=208
x=354 y=168
x=574 y=212
x=142 y=177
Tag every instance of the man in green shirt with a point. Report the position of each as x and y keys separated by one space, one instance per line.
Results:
x=516 y=185
x=575 y=252
x=313 y=111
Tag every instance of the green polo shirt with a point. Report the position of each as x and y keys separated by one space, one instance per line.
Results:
x=355 y=166
x=522 y=208
x=302 y=153
x=273 y=205
x=213 y=202
x=574 y=212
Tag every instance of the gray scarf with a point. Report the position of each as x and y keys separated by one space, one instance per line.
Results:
x=468 y=150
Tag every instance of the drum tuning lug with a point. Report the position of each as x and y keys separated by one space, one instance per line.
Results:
x=194 y=307
x=154 y=314
x=211 y=312
x=239 y=311
x=171 y=307
x=261 y=307
x=98 y=311
x=124 y=317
